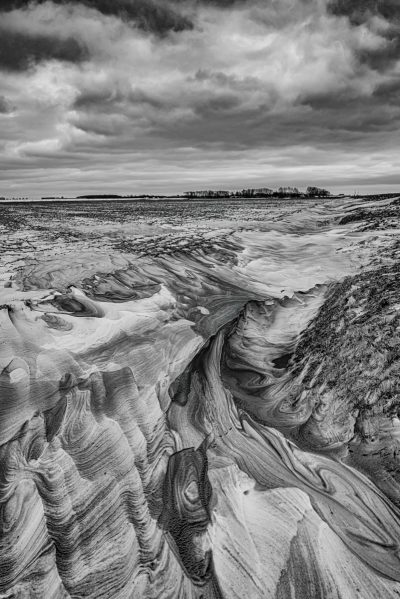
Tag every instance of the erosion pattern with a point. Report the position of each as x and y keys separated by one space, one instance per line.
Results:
x=215 y=416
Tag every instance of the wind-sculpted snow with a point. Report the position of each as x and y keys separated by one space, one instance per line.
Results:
x=213 y=417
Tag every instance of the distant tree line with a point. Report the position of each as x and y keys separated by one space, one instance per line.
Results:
x=104 y=196
x=317 y=192
x=6 y=199
x=262 y=192
x=115 y=196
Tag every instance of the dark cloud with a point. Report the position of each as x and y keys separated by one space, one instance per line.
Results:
x=346 y=117
x=388 y=92
x=382 y=59
x=7 y=5
x=224 y=103
x=217 y=3
x=359 y=11
x=109 y=101
x=5 y=107
x=155 y=16
x=128 y=8
x=96 y=99
x=158 y=17
x=19 y=51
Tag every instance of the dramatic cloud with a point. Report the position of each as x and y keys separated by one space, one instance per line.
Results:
x=133 y=96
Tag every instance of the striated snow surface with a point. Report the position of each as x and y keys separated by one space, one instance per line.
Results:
x=178 y=412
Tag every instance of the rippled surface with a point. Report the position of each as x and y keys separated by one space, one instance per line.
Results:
x=200 y=400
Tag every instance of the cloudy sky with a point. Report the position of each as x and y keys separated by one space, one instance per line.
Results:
x=136 y=96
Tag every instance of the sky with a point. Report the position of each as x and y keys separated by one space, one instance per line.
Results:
x=164 y=96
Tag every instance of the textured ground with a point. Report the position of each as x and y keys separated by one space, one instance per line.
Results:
x=200 y=400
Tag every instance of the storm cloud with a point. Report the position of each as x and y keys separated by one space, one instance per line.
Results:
x=136 y=96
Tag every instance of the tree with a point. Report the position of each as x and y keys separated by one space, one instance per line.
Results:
x=317 y=192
